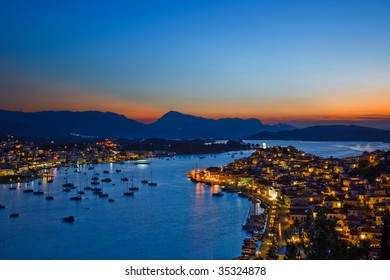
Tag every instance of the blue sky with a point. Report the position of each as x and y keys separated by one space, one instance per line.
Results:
x=274 y=60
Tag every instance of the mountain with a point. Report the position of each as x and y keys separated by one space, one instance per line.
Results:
x=327 y=133
x=189 y=126
x=66 y=124
x=95 y=124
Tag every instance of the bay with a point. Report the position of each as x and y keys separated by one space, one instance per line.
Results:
x=176 y=220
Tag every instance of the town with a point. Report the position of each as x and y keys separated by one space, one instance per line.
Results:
x=28 y=159
x=315 y=208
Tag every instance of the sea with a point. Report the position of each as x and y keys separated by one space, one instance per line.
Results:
x=175 y=220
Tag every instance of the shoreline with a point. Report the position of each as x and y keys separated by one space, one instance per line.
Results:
x=256 y=224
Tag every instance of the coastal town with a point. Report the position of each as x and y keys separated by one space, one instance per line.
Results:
x=308 y=199
x=25 y=160
x=300 y=203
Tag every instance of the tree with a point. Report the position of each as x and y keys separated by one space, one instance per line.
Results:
x=359 y=251
x=292 y=252
x=324 y=243
x=271 y=253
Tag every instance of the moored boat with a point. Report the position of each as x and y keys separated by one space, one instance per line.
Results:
x=217 y=194
x=69 y=219
x=38 y=192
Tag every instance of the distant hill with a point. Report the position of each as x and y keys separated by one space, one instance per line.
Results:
x=327 y=133
x=184 y=126
x=95 y=124
x=66 y=124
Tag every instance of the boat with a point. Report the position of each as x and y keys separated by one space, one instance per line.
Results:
x=106 y=172
x=28 y=190
x=14 y=215
x=103 y=195
x=217 y=194
x=141 y=161
x=38 y=192
x=87 y=188
x=91 y=168
x=151 y=183
x=69 y=219
x=67 y=184
x=107 y=180
x=2 y=206
x=118 y=171
x=125 y=179
x=77 y=198
x=12 y=188
x=95 y=183
x=50 y=180
x=66 y=189
x=243 y=194
x=126 y=192
x=144 y=181
x=111 y=200
x=49 y=197
x=132 y=188
x=255 y=220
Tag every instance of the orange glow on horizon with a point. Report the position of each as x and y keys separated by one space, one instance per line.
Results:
x=357 y=106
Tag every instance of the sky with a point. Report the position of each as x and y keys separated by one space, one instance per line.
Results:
x=275 y=60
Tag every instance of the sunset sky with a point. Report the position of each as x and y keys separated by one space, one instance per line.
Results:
x=276 y=60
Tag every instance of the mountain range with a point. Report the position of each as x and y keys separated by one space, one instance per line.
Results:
x=68 y=125
x=96 y=124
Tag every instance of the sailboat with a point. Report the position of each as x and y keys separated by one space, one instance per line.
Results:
x=102 y=194
x=67 y=184
x=132 y=188
x=77 y=198
x=49 y=197
x=27 y=189
x=38 y=192
x=144 y=181
x=151 y=183
x=13 y=214
x=124 y=178
x=126 y=192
